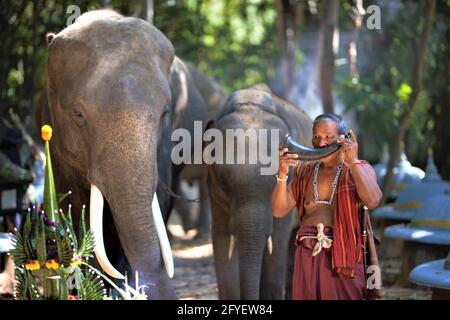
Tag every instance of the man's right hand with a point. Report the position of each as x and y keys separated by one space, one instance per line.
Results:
x=285 y=161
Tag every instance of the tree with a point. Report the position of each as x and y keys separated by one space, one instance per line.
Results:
x=328 y=26
x=405 y=117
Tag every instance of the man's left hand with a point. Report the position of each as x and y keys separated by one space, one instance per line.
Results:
x=349 y=148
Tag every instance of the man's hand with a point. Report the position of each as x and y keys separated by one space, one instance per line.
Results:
x=349 y=148
x=285 y=161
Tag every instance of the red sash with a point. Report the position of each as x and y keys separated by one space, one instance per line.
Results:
x=346 y=230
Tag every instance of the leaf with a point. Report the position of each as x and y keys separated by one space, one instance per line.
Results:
x=65 y=251
x=82 y=222
x=41 y=248
x=25 y=287
x=26 y=235
x=62 y=196
x=63 y=290
x=18 y=252
x=79 y=279
x=68 y=224
x=87 y=244
x=404 y=92
x=20 y=287
x=92 y=287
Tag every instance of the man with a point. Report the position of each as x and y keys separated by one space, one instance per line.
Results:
x=327 y=193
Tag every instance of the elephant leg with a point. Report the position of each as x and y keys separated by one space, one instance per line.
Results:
x=274 y=265
x=227 y=271
x=187 y=211
x=290 y=264
x=204 y=219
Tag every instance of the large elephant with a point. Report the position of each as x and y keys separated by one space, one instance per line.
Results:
x=250 y=245
x=114 y=93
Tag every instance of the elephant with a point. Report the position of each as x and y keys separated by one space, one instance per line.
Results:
x=193 y=179
x=114 y=93
x=250 y=245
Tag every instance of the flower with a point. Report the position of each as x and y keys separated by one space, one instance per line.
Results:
x=46 y=132
x=32 y=265
x=52 y=264
x=72 y=297
x=75 y=261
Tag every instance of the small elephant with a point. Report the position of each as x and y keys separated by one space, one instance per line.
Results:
x=250 y=245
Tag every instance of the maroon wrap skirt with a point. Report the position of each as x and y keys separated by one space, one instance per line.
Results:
x=313 y=277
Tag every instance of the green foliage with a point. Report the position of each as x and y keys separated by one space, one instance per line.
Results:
x=26 y=287
x=32 y=252
x=18 y=252
x=87 y=244
x=231 y=41
x=385 y=63
x=92 y=286
x=41 y=246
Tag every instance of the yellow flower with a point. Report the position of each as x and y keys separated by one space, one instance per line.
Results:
x=72 y=297
x=52 y=264
x=75 y=261
x=32 y=265
x=46 y=132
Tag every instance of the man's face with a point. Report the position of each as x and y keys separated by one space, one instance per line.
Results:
x=325 y=133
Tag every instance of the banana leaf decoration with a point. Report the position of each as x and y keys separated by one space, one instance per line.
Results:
x=47 y=251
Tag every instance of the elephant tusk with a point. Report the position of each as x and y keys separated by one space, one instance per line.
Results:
x=96 y=223
x=231 y=247
x=166 y=251
x=269 y=244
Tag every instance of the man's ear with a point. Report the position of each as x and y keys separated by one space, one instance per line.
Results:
x=49 y=37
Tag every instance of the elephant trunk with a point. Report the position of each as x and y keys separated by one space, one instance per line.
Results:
x=137 y=220
x=127 y=179
x=253 y=232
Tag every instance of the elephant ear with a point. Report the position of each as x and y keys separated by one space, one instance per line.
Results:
x=49 y=37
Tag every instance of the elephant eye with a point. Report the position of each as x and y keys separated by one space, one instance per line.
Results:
x=164 y=113
x=78 y=116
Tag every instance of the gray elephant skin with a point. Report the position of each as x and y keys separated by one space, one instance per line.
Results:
x=114 y=92
x=241 y=201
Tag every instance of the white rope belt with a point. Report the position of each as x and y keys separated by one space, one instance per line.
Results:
x=322 y=240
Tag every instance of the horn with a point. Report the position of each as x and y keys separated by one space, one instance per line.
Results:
x=305 y=153
x=96 y=223
x=231 y=247
x=166 y=251
x=269 y=244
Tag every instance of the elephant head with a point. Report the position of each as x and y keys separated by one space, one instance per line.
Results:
x=107 y=92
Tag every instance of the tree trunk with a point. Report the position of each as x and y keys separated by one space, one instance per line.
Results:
x=150 y=12
x=288 y=21
x=358 y=15
x=328 y=20
x=404 y=120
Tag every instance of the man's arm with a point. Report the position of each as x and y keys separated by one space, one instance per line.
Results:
x=283 y=200
x=363 y=174
x=366 y=183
